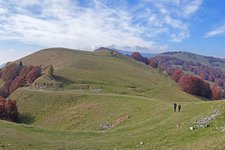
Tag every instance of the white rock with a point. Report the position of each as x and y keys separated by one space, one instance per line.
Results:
x=191 y=128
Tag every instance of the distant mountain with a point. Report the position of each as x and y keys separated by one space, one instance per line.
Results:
x=2 y=65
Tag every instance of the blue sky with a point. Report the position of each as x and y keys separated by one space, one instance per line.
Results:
x=152 y=26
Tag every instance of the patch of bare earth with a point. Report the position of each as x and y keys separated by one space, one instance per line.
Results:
x=110 y=125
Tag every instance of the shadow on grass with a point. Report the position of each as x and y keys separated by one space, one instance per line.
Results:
x=62 y=79
x=26 y=118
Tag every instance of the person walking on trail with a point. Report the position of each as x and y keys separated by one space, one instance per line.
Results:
x=174 y=107
x=179 y=107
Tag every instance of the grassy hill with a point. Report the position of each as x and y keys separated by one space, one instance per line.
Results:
x=107 y=102
x=108 y=73
x=206 y=60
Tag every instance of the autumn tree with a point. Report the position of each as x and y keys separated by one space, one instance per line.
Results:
x=11 y=71
x=137 y=56
x=4 y=92
x=205 y=89
x=8 y=84
x=153 y=63
x=8 y=110
x=194 y=85
x=216 y=92
x=11 y=109
x=177 y=75
x=18 y=82
x=33 y=74
x=25 y=71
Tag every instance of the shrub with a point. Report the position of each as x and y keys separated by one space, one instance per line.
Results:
x=137 y=56
x=153 y=63
x=50 y=71
x=4 y=92
x=177 y=75
x=11 y=71
x=194 y=85
x=216 y=92
x=8 y=110
x=8 y=84
x=33 y=74
x=20 y=81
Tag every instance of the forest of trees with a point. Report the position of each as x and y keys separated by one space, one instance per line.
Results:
x=14 y=76
x=137 y=56
x=17 y=75
x=193 y=78
x=8 y=110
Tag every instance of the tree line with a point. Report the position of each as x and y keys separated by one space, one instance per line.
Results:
x=193 y=78
x=14 y=76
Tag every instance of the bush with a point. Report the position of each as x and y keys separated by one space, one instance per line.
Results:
x=4 y=92
x=177 y=74
x=8 y=84
x=33 y=74
x=18 y=82
x=216 y=92
x=8 y=110
x=153 y=63
x=137 y=56
x=50 y=71
x=194 y=85
x=11 y=71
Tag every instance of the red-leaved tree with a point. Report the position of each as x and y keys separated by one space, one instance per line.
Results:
x=4 y=92
x=8 y=110
x=18 y=82
x=194 y=85
x=8 y=84
x=33 y=74
x=216 y=92
x=153 y=63
x=137 y=56
x=177 y=75
x=11 y=71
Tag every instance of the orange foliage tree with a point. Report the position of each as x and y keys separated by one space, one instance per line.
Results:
x=33 y=74
x=195 y=85
x=11 y=71
x=153 y=63
x=8 y=110
x=177 y=75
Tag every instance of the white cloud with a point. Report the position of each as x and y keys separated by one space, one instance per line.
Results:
x=216 y=32
x=3 y=10
x=68 y=24
x=191 y=7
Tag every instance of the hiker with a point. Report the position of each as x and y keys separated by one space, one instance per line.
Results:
x=179 y=107
x=174 y=107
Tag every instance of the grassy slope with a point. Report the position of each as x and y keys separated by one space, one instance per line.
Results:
x=113 y=74
x=71 y=119
x=68 y=121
